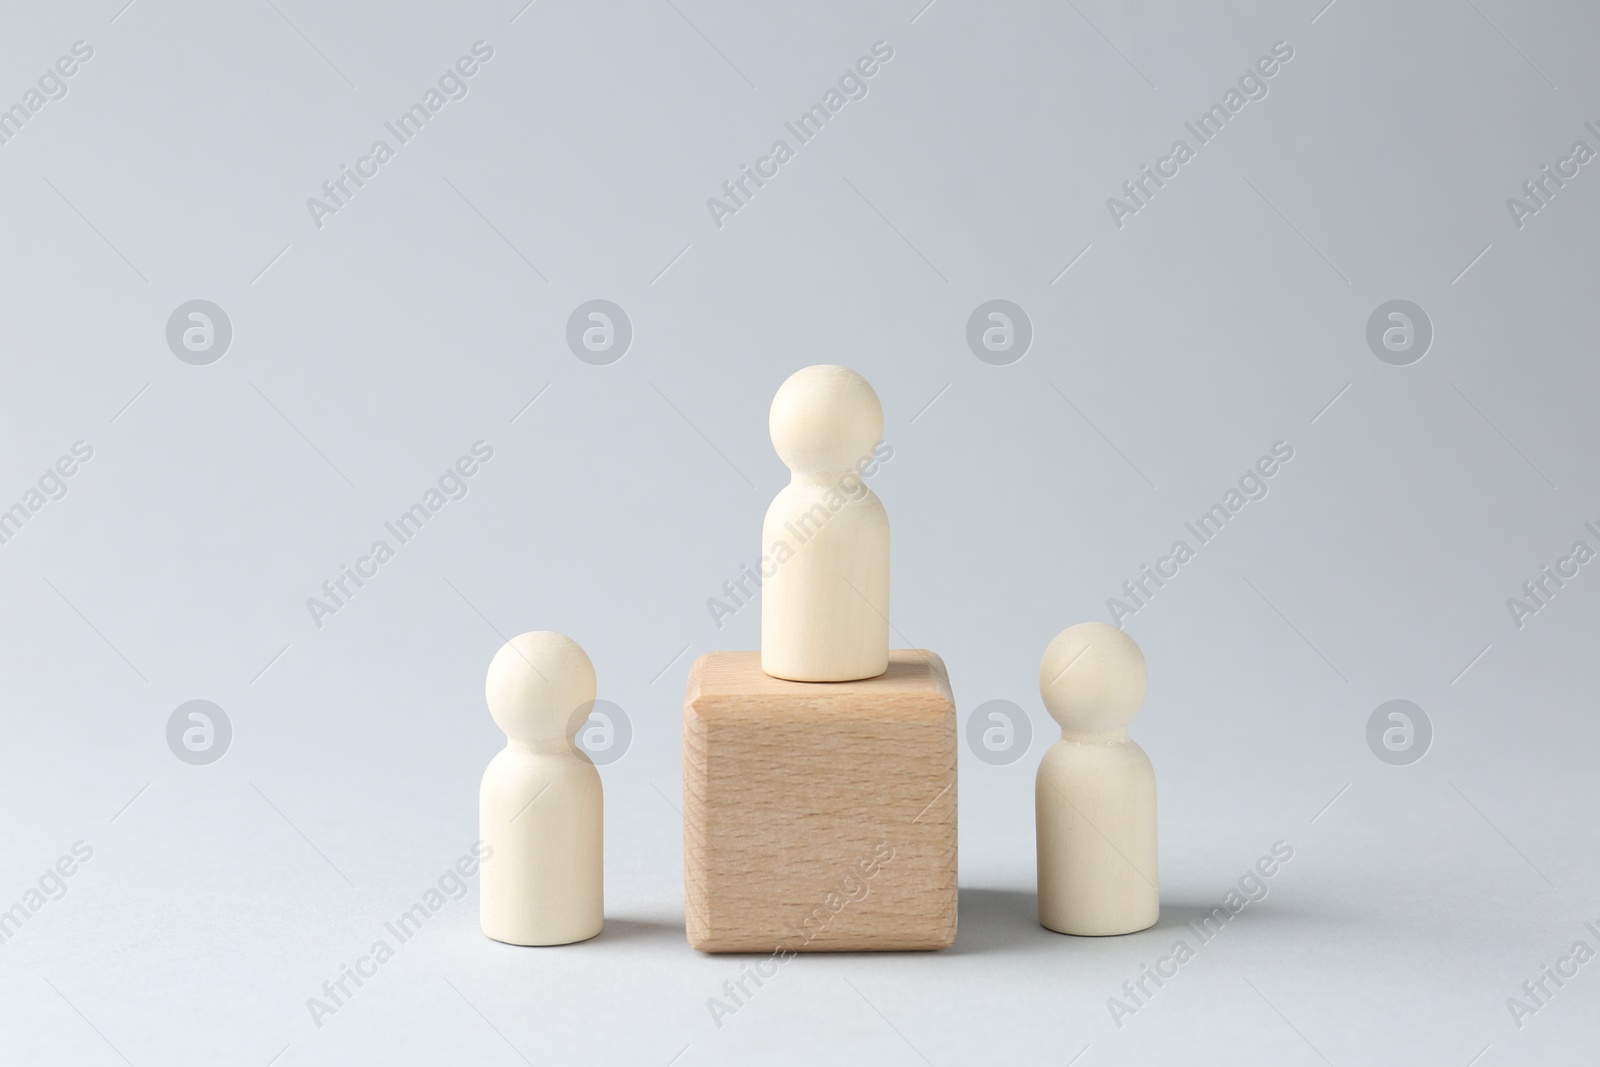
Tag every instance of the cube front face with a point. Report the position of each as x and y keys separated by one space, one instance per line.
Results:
x=819 y=816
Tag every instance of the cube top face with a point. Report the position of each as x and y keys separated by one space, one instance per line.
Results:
x=819 y=816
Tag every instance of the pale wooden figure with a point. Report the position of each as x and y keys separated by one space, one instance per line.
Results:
x=1095 y=795
x=825 y=606
x=539 y=808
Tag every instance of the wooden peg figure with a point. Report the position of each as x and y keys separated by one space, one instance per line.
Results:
x=539 y=808
x=1095 y=795
x=825 y=606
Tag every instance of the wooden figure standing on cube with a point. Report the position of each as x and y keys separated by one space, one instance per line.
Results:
x=825 y=612
x=1095 y=794
x=819 y=775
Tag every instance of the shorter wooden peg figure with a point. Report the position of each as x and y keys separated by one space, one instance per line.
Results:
x=540 y=808
x=1095 y=795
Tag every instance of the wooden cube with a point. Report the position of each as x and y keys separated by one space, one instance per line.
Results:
x=819 y=816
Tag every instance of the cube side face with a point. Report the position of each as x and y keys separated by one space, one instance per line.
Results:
x=819 y=817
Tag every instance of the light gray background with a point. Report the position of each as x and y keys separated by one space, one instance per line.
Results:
x=369 y=354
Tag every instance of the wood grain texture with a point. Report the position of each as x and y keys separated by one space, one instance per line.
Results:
x=819 y=816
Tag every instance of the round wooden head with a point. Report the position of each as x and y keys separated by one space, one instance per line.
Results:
x=825 y=418
x=1092 y=679
x=540 y=687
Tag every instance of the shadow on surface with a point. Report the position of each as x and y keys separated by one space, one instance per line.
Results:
x=639 y=931
x=996 y=920
x=1007 y=920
